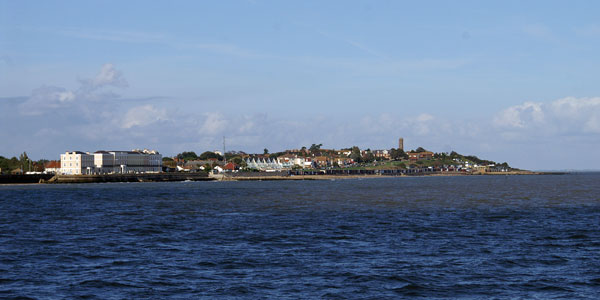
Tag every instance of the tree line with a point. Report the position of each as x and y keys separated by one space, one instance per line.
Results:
x=23 y=164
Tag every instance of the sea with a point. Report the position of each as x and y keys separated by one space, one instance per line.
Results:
x=462 y=237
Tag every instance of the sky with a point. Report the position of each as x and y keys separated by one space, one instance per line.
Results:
x=509 y=81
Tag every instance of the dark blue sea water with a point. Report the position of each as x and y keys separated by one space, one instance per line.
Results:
x=429 y=237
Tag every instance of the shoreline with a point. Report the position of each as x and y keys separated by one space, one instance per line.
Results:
x=180 y=177
x=334 y=177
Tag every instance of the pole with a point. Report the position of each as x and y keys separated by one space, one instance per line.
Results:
x=224 y=156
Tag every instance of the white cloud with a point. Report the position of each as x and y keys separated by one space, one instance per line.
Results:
x=519 y=115
x=52 y=99
x=571 y=107
x=86 y=101
x=97 y=123
x=142 y=116
x=570 y=115
x=424 y=118
x=214 y=123
x=46 y=98
x=108 y=76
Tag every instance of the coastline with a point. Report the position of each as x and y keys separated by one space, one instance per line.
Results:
x=174 y=177
x=335 y=177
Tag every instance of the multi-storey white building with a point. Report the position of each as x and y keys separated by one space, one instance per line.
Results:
x=76 y=163
x=109 y=162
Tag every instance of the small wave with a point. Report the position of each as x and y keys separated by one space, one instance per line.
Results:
x=206 y=264
x=497 y=217
x=595 y=281
x=578 y=236
x=122 y=262
x=94 y=256
x=549 y=237
x=554 y=288
x=231 y=265
x=509 y=263
x=331 y=295
x=97 y=283
x=88 y=296
x=410 y=289
x=397 y=278
x=21 y=298
x=345 y=227
x=48 y=241
x=144 y=231
x=340 y=237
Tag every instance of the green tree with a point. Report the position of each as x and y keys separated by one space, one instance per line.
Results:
x=25 y=162
x=355 y=155
x=420 y=149
x=454 y=155
x=397 y=154
x=314 y=148
x=5 y=164
x=169 y=162
x=266 y=151
x=208 y=154
x=368 y=157
x=237 y=160
x=191 y=155
x=303 y=151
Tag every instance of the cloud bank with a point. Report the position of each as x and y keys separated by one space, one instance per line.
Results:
x=95 y=116
x=570 y=115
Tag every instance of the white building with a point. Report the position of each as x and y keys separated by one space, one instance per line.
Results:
x=263 y=164
x=52 y=167
x=281 y=163
x=76 y=163
x=111 y=162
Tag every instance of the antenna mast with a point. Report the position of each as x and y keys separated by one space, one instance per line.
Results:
x=224 y=156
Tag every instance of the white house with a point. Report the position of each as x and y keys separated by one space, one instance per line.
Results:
x=52 y=167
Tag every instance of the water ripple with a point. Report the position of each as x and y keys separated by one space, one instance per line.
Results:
x=474 y=237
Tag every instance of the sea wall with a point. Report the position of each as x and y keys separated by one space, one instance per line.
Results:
x=155 y=177
x=23 y=178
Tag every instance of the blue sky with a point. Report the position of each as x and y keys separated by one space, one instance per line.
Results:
x=507 y=81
